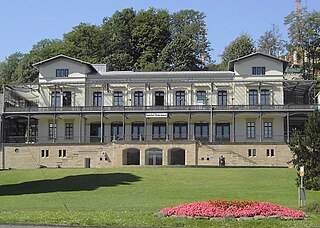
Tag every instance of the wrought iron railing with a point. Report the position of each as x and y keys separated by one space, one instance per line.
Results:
x=192 y=108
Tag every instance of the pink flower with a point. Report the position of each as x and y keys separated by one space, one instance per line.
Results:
x=221 y=208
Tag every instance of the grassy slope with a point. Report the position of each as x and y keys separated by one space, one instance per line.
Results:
x=130 y=196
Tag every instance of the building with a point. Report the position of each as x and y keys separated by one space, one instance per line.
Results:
x=83 y=115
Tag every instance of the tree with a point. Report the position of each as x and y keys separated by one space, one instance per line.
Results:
x=84 y=41
x=116 y=32
x=190 y=24
x=271 y=42
x=8 y=70
x=179 y=55
x=119 y=61
x=304 y=34
x=150 y=34
x=241 y=46
x=306 y=151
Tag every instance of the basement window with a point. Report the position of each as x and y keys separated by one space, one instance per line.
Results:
x=44 y=153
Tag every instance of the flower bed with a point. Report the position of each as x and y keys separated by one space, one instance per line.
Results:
x=235 y=209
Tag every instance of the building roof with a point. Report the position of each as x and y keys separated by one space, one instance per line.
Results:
x=66 y=57
x=231 y=63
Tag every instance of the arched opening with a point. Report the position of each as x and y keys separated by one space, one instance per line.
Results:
x=131 y=156
x=154 y=156
x=176 y=156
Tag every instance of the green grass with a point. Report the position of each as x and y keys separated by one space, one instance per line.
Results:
x=130 y=196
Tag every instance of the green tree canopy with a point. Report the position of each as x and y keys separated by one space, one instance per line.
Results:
x=304 y=34
x=241 y=46
x=150 y=35
x=306 y=151
x=84 y=41
x=190 y=24
x=179 y=55
x=271 y=42
x=8 y=69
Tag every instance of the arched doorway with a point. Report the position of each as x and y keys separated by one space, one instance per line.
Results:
x=176 y=156
x=131 y=156
x=154 y=156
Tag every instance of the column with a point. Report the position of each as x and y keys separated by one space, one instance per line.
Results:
x=123 y=126
x=54 y=129
x=260 y=115
x=28 y=129
x=101 y=116
x=167 y=127
x=211 y=122
x=80 y=126
x=189 y=128
x=288 y=127
x=145 y=128
x=234 y=127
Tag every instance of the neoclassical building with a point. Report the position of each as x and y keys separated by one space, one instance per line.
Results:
x=83 y=115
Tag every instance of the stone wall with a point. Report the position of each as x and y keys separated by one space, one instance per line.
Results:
x=98 y=155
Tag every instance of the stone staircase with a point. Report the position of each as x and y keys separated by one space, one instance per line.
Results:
x=231 y=158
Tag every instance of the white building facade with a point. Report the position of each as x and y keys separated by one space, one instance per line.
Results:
x=82 y=115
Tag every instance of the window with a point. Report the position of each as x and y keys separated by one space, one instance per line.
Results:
x=201 y=131
x=62 y=72
x=272 y=152
x=250 y=130
x=180 y=131
x=44 y=153
x=201 y=98
x=180 y=98
x=159 y=130
x=62 y=153
x=97 y=99
x=116 y=131
x=96 y=131
x=265 y=97
x=55 y=99
x=252 y=152
x=253 y=97
x=137 y=131
x=258 y=70
x=66 y=102
x=222 y=97
x=69 y=130
x=117 y=98
x=268 y=129
x=159 y=98
x=52 y=130
x=138 y=98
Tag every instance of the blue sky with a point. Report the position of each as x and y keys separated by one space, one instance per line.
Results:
x=25 y=22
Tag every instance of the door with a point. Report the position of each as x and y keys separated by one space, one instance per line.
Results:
x=154 y=157
x=87 y=162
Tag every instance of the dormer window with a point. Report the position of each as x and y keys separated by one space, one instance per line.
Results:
x=258 y=70
x=62 y=72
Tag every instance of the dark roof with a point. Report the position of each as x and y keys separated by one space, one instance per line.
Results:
x=66 y=57
x=231 y=63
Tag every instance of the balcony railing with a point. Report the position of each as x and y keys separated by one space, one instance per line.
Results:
x=191 y=108
x=217 y=139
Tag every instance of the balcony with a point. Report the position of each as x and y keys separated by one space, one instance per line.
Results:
x=164 y=109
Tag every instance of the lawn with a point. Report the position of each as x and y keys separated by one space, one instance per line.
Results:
x=130 y=196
